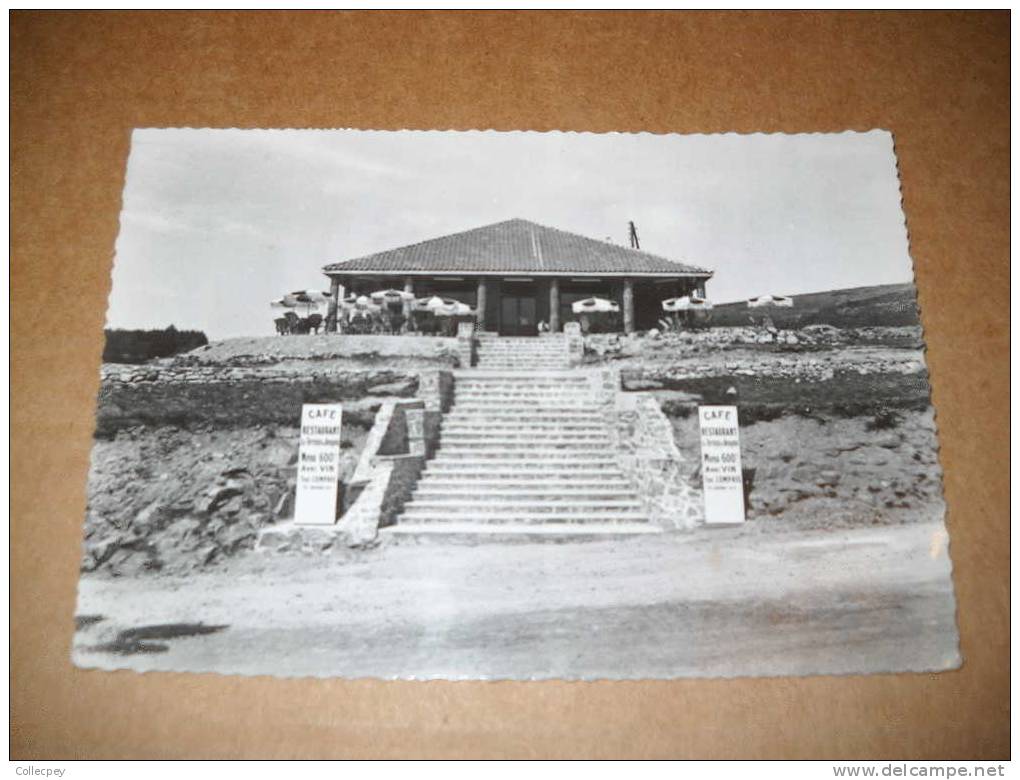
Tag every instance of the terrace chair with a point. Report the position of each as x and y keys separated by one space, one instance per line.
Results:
x=314 y=323
x=293 y=322
x=282 y=326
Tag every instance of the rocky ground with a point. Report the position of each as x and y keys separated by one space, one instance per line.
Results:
x=367 y=351
x=194 y=454
x=170 y=500
x=828 y=472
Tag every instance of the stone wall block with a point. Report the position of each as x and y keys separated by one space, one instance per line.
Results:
x=466 y=344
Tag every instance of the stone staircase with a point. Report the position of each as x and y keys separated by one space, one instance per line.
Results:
x=520 y=353
x=523 y=451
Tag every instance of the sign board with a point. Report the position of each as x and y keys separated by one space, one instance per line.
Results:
x=318 y=465
x=721 y=475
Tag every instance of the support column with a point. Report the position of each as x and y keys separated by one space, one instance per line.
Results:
x=628 y=306
x=408 y=288
x=334 y=302
x=554 y=305
x=481 y=302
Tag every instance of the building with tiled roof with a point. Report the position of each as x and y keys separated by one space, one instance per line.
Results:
x=518 y=273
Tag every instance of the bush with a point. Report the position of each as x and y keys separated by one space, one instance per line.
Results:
x=884 y=419
x=139 y=346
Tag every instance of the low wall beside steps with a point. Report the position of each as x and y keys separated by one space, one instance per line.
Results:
x=648 y=455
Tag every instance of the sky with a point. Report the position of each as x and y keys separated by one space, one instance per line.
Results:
x=216 y=223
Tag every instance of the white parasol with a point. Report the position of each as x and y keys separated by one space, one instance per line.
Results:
x=781 y=301
x=686 y=303
x=310 y=299
x=593 y=305
x=388 y=296
x=454 y=309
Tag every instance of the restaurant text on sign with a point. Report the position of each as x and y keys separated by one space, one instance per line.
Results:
x=318 y=464
x=721 y=472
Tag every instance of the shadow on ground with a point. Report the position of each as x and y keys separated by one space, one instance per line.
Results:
x=132 y=641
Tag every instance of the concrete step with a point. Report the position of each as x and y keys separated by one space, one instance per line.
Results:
x=517 y=495
x=524 y=453
x=529 y=411
x=565 y=399
x=482 y=374
x=519 y=361
x=539 y=448
x=503 y=455
x=522 y=381
x=550 y=360
x=521 y=388
x=535 y=427
x=521 y=471
x=518 y=357
x=519 y=352
x=485 y=506
x=522 y=430
x=551 y=348
x=552 y=397
x=498 y=412
x=521 y=465
x=490 y=484
x=525 y=393
x=503 y=385
x=486 y=446
x=566 y=404
x=522 y=434
x=510 y=533
x=443 y=516
x=523 y=341
x=521 y=366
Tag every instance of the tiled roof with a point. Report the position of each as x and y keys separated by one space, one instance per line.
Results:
x=516 y=246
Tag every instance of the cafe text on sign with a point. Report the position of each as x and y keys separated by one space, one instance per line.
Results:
x=318 y=471
x=721 y=474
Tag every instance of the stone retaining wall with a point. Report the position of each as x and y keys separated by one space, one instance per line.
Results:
x=122 y=374
x=229 y=397
x=648 y=455
x=390 y=464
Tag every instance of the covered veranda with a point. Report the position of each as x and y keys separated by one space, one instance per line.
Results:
x=513 y=305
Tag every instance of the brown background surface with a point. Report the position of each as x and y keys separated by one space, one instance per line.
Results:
x=80 y=82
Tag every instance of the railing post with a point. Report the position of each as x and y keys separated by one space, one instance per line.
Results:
x=574 y=343
x=466 y=344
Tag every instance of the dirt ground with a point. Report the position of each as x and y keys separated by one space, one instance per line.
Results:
x=714 y=603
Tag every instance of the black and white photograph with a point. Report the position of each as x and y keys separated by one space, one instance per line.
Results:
x=514 y=405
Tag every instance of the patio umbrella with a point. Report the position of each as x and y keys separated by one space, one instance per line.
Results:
x=594 y=305
x=388 y=296
x=686 y=303
x=454 y=309
x=782 y=301
x=434 y=304
x=308 y=298
x=364 y=303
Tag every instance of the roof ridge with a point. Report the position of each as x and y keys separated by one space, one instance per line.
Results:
x=630 y=249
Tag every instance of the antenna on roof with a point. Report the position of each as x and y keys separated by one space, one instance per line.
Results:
x=634 y=243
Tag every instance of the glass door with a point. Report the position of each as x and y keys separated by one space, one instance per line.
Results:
x=518 y=314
